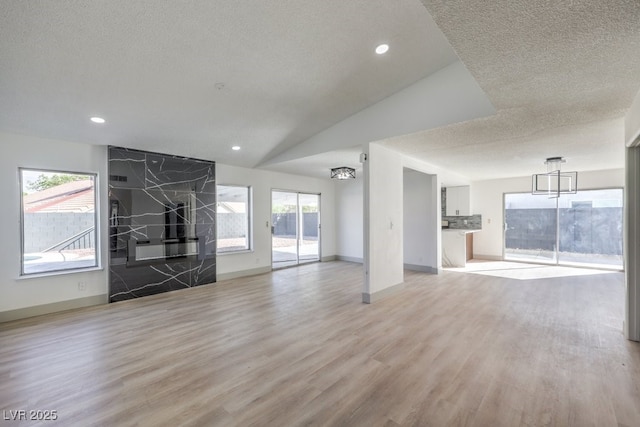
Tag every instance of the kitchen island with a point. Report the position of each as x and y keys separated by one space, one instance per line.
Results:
x=457 y=246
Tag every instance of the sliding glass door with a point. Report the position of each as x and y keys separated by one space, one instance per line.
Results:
x=295 y=228
x=575 y=229
x=309 y=231
x=530 y=228
x=590 y=231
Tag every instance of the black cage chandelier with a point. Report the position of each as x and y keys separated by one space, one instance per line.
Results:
x=343 y=172
x=554 y=182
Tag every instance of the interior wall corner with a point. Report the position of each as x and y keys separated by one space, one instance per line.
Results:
x=632 y=244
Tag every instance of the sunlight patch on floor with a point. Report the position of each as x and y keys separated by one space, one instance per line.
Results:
x=522 y=271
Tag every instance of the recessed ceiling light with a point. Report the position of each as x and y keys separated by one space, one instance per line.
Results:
x=235 y=147
x=97 y=120
x=383 y=48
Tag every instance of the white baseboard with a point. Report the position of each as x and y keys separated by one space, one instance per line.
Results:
x=422 y=268
x=349 y=259
x=368 y=298
x=487 y=257
x=38 y=310
x=242 y=273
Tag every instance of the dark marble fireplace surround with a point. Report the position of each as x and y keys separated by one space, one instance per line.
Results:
x=161 y=223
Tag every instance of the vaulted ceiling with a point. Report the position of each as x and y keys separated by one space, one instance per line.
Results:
x=195 y=78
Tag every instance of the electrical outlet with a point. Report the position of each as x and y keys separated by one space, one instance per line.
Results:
x=82 y=286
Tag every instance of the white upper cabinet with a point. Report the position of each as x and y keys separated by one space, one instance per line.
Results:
x=458 y=200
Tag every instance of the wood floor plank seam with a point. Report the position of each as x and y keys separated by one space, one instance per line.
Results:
x=298 y=347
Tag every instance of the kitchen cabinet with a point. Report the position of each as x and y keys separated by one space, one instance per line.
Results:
x=458 y=201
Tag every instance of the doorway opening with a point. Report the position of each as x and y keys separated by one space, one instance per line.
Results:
x=295 y=228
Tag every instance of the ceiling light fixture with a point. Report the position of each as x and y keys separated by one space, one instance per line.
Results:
x=98 y=120
x=235 y=148
x=382 y=49
x=554 y=182
x=343 y=172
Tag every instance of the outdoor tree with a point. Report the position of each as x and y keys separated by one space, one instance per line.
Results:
x=48 y=181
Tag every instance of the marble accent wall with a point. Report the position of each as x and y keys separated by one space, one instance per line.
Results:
x=162 y=212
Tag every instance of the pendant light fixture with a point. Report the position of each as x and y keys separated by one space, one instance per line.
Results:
x=343 y=172
x=554 y=182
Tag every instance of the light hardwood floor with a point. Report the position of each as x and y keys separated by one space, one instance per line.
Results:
x=297 y=347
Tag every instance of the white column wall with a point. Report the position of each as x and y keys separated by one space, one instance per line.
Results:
x=632 y=227
x=50 y=292
x=632 y=245
x=349 y=217
x=383 y=218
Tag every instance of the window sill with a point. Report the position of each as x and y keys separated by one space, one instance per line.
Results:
x=241 y=251
x=58 y=273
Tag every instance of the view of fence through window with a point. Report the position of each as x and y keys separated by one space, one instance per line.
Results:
x=58 y=221
x=232 y=218
x=576 y=229
x=295 y=233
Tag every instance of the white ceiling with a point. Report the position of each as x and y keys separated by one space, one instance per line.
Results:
x=559 y=74
x=151 y=69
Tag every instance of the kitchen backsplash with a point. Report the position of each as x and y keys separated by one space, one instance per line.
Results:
x=474 y=222
x=443 y=201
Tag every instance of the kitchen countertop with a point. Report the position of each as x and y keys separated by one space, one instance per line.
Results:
x=463 y=230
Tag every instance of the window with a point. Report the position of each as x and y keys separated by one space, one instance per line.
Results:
x=58 y=221
x=233 y=219
x=575 y=229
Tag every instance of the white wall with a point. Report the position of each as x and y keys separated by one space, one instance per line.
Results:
x=450 y=95
x=487 y=200
x=262 y=182
x=22 y=151
x=632 y=121
x=419 y=216
x=349 y=216
x=434 y=217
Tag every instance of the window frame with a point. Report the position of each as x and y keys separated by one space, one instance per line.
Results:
x=557 y=257
x=249 y=221
x=96 y=224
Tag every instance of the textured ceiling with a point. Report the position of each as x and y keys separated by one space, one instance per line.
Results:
x=561 y=75
x=152 y=69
